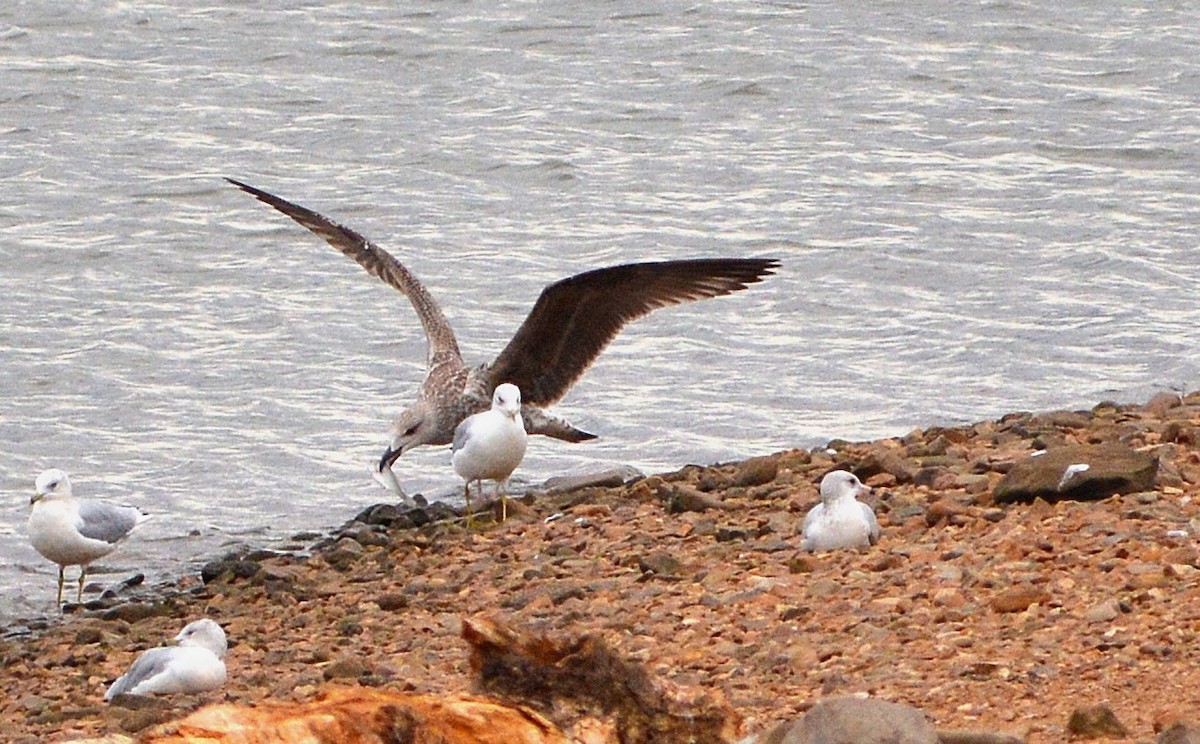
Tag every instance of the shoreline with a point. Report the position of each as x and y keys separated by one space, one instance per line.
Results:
x=988 y=616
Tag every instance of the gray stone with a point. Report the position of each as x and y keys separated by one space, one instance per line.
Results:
x=602 y=479
x=1059 y=474
x=853 y=720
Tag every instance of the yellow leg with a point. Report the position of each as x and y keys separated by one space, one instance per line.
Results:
x=62 y=575
x=467 y=499
x=503 y=489
x=82 y=576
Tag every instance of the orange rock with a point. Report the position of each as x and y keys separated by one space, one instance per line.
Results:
x=364 y=716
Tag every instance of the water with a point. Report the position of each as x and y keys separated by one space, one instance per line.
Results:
x=981 y=207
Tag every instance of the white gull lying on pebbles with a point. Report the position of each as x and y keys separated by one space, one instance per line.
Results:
x=196 y=664
x=840 y=520
x=75 y=532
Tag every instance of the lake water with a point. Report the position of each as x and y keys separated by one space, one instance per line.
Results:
x=981 y=207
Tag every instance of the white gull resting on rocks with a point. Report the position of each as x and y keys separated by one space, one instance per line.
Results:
x=572 y=322
x=490 y=445
x=75 y=532
x=195 y=664
x=840 y=520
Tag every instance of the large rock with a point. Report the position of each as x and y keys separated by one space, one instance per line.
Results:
x=1079 y=473
x=1182 y=732
x=852 y=720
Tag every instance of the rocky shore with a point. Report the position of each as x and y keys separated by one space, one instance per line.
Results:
x=1011 y=591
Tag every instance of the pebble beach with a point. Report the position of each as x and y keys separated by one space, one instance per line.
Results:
x=988 y=614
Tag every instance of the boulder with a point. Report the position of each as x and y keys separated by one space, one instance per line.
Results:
x=854 y=720
x=1182 y=732
x=1079 y=473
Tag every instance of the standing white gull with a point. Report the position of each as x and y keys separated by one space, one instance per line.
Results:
x=490 y=445
x=571 y=323
x=75 y=532
x=840 y=520
x=196 y=664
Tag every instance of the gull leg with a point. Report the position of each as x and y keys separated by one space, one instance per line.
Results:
x=62 y=575
x=82 y=576
x=467 y=499
x=502 y=487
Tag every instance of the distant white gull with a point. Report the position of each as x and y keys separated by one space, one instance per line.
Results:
x=490 y=445
x=840 y=520
x=572 y=322
x=75 y=532
x=196 y=664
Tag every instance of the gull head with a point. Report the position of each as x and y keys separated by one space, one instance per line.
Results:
x=507 y=399
x=203 y=634
x=51 y=483
x=417 y=425
x=841 y=484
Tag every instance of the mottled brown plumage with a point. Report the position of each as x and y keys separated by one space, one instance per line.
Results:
x=572 y=321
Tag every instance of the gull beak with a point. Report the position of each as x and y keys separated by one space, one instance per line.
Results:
x=36 y=497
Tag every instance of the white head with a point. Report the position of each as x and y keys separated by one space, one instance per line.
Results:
x=51 y=483
x=507 y=399
x=841 y=484
x=205 y=634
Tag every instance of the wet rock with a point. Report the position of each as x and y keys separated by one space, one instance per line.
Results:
x=228 y=569
x=852 y=720
x=1078 y=472
x=603 y=479
x=132 y=612
x=1095 y=722
x=344 y=553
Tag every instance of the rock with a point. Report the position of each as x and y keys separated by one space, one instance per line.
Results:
x=853 y=720
x=1095 y=722
x=683 y=498
x=756 y=471
x=1104 y=612
x=977 y=737
x=660 y=564
x=1061 y=474
x=602 y=479
x=348 y=668
x=228 y=569
x=1181 y=732
x=1019 y=598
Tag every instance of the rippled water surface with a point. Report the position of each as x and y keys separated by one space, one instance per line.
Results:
x=981 y=207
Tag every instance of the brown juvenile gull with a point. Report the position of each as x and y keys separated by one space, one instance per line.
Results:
x=572 y=321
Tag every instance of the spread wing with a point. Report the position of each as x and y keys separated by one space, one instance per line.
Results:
x=377 y=262
x=576 y=318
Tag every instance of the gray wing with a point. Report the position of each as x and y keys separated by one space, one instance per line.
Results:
x=574 y=319
x=377 y=262
x=869 y=515
x=461 y=434
x=100 y=521
x=150 y=664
